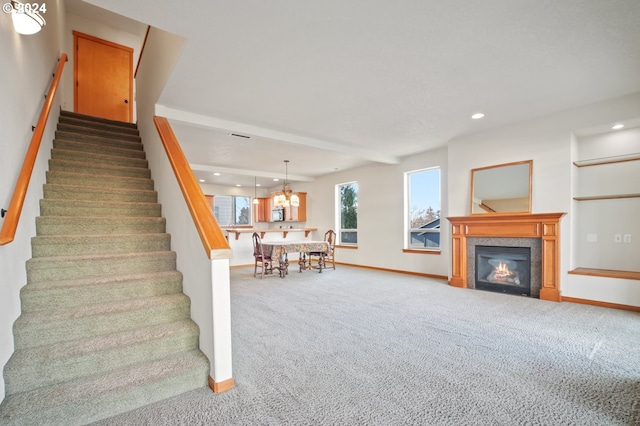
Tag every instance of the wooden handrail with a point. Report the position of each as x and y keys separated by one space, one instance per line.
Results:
x=144 y=43
x=8 y=232
x=213 y=239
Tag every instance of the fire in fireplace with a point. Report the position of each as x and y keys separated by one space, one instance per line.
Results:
x=503 y=269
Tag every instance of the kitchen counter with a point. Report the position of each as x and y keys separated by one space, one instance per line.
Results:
x=262 y=232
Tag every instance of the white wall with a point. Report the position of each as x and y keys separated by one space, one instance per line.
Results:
x=25 y=72
x=161 y=52
x=550 y=143
x=381 y=214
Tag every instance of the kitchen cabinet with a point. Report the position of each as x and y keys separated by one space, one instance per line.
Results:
x=262 y=210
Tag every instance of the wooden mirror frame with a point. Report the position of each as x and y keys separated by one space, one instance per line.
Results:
x=508 y=181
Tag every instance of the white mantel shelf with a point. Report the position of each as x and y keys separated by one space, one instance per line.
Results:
x=262 y=232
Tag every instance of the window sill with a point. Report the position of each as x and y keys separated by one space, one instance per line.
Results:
x=347 y=247
x=425 y=251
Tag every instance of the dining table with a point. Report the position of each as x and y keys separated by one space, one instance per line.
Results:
x=279 y=250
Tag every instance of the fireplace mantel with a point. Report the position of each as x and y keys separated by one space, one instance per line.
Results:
x=545 y=226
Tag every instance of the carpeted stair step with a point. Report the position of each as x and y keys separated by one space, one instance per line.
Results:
x=103 y=133
x=54 y=207
x=99 y=139
x=101 y=182
x=75 y=245
x=64 y=294
x=31 y=368
x=90 y=399
x=117 y=135
x=123 y=151
x=54 y=225
x=41 y=269
x=40 y=328
x=75 y=166
x=102 y=159
x=95 y=141
x=92 y=119
x=96 y=125
x=90 y=193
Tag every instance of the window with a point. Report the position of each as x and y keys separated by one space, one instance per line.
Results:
x=422 y=229
x=347 y=196
x=230 y=210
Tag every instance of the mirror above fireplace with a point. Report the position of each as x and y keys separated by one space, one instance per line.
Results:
x=503 y=188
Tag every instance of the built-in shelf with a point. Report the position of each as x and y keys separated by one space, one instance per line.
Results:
x=607 y=160
x=606 y=197
x=610 y=273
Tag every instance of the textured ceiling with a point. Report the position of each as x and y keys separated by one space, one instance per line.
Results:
x=342 y=83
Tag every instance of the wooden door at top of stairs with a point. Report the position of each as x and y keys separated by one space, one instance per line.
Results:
x=103 y=76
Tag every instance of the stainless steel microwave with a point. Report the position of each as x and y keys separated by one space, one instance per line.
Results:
x=277 y=215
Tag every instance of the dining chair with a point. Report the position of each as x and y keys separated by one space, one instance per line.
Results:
x=329 y=257
x=264 y=262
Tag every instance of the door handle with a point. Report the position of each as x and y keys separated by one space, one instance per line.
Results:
x=126 y=101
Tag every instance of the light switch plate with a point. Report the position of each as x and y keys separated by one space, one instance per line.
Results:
x=617 y=238
x=627 y=238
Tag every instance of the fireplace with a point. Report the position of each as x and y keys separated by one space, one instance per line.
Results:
x=544 y=228
x=503 y=269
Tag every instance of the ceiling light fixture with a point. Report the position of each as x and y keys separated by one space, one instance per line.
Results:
x=477 y=116
x=26 y=17
x=255 y=190
x=617 y=126
x=286 y=197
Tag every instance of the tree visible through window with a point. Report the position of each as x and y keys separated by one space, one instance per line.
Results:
x=423 y=209
x=348 y=229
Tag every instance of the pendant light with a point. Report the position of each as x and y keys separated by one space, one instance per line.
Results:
x=286 y=196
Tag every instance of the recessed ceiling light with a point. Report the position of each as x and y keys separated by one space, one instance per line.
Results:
x=276 y=179
x=202 y=180
x=237 y=184
x=257 y=184
x=216 y=174
x=477 y=116
x=617 y=126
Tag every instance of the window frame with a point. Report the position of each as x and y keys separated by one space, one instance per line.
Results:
x=408 y=231
x=234 y=206
x=338 y=218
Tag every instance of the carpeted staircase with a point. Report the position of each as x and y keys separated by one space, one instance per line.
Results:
x=105 y=327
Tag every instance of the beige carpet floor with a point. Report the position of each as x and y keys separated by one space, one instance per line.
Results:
x=361 y=347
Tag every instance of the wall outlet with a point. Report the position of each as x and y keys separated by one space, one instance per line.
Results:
x=627 y=238
x=617 y=238
x=592 y=238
